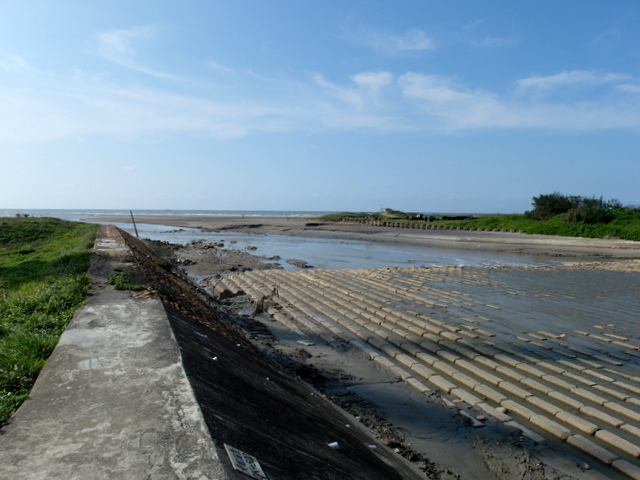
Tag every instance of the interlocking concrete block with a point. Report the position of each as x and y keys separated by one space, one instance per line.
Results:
x=442 y=383
x=418 y=385
x=576 y=422
x=406 y=360
x=401 y=372
x=444 y=368
x=622 y=410
x=490 y=393
x=631 y=429
x=622 y=396
x=580 y=378
x=626 y=468
x=465 y=396
x=465 y=380
x=598 y=375
x=510 y=373
x=602 y=416
x=514 y=390
x=422 y=371
x=558 y=382
x=430 y=346
x=618 y=442
x=565 y=399
x=528 y=369
x=376 y=342
x=550 y=426
x=518 y=409
x=447 y=355
x=591 y=448
x=589 y=396
x=535 y=385
x=426 y=358
x=481 y=373
x=543 y=405
x=507 y=359
x=492 y=412
x=486 y=362
x=626 y=386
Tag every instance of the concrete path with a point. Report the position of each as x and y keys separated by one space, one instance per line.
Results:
x=113 y=402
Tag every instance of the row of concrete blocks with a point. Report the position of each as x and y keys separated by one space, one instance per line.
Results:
x=422 y=226
x=395 y=346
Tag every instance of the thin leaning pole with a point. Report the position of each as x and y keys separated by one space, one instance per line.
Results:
x=134 y=223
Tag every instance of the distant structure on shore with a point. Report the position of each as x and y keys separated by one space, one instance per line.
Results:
x=398 y=215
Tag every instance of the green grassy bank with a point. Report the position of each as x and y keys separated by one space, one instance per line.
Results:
x=625 y=227
x=43 y=265
x=552 y=214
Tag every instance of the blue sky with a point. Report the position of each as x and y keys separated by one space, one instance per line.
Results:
x=430 y=106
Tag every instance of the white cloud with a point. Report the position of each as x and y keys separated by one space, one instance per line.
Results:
x=571 y=78
x=84 y=106
x=372 y=80
x=118 y=46
x=410 y=42
x=459 y=109
x=628 y=87
x=496 y=42
x=13 y=63
x=215 y=65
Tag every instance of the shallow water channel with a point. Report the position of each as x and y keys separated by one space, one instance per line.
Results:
x=335 y=253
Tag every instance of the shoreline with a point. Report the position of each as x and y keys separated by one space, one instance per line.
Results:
x=575 y=248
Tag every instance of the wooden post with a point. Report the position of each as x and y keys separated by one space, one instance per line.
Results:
x=134 y=224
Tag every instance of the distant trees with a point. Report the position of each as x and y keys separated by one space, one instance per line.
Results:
x=574 y=208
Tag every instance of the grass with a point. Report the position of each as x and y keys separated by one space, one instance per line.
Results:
x=625 y=224
x=43 y=265
x=122 y=281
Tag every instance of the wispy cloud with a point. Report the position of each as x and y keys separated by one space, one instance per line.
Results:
x=216 y=66
x=571 y=78
x=410 y=42
x=496 y=42
x=77 y=106
x=459 y=108
x=119 y=46
x=13 y=63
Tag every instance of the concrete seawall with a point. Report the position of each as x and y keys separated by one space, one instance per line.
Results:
x=113 y=401
x=141 y=388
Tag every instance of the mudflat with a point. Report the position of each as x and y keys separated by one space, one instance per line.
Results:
x=578 y=248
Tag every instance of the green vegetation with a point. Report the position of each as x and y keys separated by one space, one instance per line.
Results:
x=336 y=217
x=122 y=281
x=552 y=214
x=43 y=265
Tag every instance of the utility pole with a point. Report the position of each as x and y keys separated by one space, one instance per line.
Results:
x=134 y=223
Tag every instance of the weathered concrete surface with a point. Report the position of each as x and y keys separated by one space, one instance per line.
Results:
x=113 y=402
